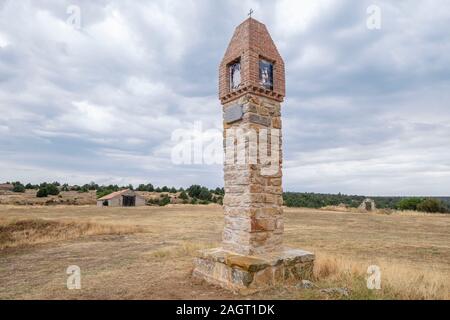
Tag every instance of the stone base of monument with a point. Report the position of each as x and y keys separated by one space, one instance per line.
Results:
x=249 y=274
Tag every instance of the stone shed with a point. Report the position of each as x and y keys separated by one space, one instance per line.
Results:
x=123 y=198
x=368 y=205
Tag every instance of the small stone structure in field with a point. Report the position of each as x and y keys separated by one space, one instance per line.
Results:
x=368 y=205
x=123 y=198
x=251 y=88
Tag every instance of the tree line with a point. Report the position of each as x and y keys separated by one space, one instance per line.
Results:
x=319 y=200
x=197 y=194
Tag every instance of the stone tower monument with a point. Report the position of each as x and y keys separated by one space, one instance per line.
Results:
x=251 y=89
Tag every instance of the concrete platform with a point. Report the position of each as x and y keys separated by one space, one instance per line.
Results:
x=249 y=274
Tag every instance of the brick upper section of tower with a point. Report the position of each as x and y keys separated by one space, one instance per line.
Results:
x=251 y=42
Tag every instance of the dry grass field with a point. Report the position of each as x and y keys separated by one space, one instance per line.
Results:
x=64 y=198
x=146 y=253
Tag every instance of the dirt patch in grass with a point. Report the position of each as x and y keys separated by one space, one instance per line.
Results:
x=20 y=233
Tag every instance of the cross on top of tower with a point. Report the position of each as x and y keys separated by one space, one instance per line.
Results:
x=250 y=13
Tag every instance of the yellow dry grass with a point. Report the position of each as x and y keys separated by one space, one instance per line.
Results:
x=406 y=213
x=28 y=232
x=341 y=209
x=189 y=249
x=28 y=198
x=399 y=281
x=413 y=252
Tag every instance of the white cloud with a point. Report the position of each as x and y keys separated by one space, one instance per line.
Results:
x=3 y=40
x=90 y=117
x=313 y=57
x=294 y=16
x=4 y=129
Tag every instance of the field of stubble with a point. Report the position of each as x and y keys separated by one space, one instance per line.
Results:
x=146 y=253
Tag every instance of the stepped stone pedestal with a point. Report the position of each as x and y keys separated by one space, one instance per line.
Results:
x=248 y=274
x=251 y=88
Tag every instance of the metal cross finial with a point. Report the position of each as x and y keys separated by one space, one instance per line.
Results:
x=250 y=13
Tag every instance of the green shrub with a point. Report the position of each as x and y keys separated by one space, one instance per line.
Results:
x=90 y=186
x=409 y=203
x=146 y=187
x=199 y=192
x=52 y=190
x=194 y=191
x=83 y=189
x=103 y=192
x=432 y=206
x=18 y=187
x=183 y=196
x=93 y=186
x=173 y=190
x=42 y=193
x=205 y=195
x=164 y=201
x=47 y=189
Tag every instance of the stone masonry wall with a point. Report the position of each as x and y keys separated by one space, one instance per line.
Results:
x=253 y=201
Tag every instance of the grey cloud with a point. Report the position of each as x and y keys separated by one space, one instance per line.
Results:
x=366 y=111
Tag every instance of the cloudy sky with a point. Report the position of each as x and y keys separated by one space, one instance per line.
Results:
x=366 y=112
